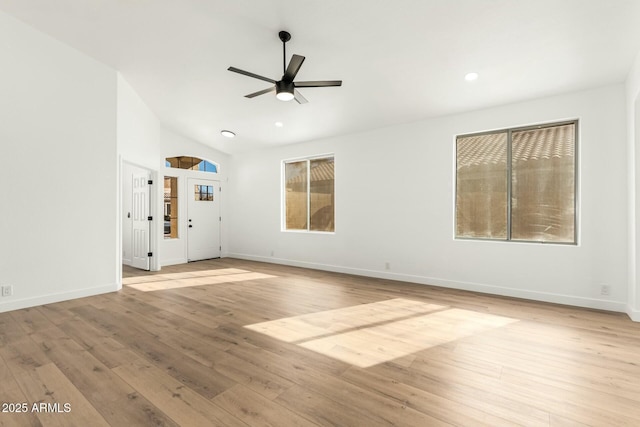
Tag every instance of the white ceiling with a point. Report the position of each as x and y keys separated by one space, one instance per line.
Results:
x=400 y=61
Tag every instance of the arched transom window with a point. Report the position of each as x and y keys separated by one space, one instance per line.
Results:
x=192 y=163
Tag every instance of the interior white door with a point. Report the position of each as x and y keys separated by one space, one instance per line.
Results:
x=203 y=219
x=140 y=223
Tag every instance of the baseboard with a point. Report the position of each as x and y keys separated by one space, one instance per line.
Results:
x=18 y=304
x=633 y=314
x=174 y=261
x=452 y=284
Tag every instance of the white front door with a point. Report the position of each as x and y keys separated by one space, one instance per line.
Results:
x=203 y=219
x=140 y=221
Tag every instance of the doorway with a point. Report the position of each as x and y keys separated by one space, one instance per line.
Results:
x=203 y=219
x=136 y=223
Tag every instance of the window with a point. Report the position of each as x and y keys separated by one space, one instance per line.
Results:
x=170 y=207
x=518 y=184
x=192 y=163
x=204 y=193
x=309 y=194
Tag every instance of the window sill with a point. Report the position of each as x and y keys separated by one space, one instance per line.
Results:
x=308 y=232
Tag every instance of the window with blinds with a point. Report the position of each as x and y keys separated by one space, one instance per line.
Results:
x=309 y=194
x=518 y=184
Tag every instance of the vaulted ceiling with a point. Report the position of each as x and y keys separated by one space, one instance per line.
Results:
x=400 y=61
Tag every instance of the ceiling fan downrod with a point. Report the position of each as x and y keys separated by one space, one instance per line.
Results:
x=285 y=37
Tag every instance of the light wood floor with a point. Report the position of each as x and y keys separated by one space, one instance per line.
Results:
x=230 y=342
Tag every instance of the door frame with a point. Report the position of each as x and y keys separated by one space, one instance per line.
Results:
x=154 y=264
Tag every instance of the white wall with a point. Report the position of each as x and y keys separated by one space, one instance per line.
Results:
x=138 y=129
x=58 y=231
x=633 y=165
x=394 y=203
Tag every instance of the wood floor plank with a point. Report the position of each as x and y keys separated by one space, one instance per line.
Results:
x=31 y=320
x=203 y=379
x=452 y=354
x=11 y=394
x=195 y=311
x=567 y=402
x=580 y=403
x=558 y=367
x=456 y=387
x=24 y=355
x=256 y=410
x=183 y=405
x=54 y=313
x=559 y=421
x=99 y=343
x=175 y=331
x=243 y=335
x=380 y=409
x=325 y=411
x=251 y=375
x=56 y=401
x=10 y=330
x=447 y=410
x=114 y=399
x=292 y=370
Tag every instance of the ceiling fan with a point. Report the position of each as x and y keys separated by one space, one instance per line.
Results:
x=286 y=88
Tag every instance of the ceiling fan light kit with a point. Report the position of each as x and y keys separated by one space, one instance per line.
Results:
x=285 y=88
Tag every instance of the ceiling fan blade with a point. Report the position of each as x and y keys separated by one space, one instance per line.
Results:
x=260 y=92
x=293 y=68
x=319 y=83
x=247 y=73
x=299 y=98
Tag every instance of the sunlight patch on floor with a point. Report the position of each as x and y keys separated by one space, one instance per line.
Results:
x=158 y=282
x=369 y=334
x=306 y=326
x=184 y=275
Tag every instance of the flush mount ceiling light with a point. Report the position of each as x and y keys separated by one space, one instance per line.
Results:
x=471 y=77
x=227 y=133
x=279 y=124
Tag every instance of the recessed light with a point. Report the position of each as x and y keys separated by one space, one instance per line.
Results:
x=279 y=124
x=227 y=133
x=471 y=77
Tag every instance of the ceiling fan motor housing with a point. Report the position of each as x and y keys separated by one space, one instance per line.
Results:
x=284 y=87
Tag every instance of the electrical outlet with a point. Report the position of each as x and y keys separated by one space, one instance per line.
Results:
x=387 y=266
x=272 y=253
x=605 y=290
x=7 y=290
